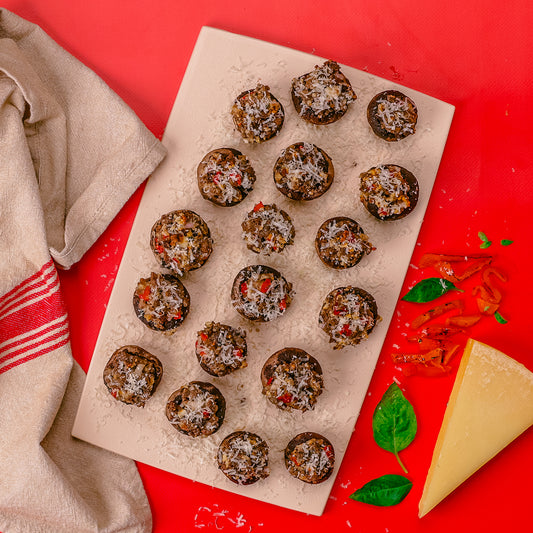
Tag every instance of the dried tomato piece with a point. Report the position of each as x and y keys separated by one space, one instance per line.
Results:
x=435 y=312
x=436 y=353
x=425 y=343
x=441 y=332
x=431 y=370
x=462 y=321
x=489 y=297
x=449 y=353
x=443 y=265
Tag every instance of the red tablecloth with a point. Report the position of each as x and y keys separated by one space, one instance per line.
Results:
x=476 y=55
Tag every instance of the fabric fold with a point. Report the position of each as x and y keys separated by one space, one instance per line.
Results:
x=71 y=154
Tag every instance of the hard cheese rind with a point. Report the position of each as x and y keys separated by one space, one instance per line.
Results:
x=490 y=405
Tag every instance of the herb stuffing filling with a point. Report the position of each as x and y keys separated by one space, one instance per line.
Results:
x=221 y=349
x=161 y=302
x=196 y=409
x=257 y=114
x=323 y=95
x=292 y=379
x=341 y=243
x=132 y=375
x=310 y=457
x=261 y=293
x=388 y=192
x=243 y=458
x=267 y=229
x=225 y=177
x=392 y=115
x=181 y=241
x=348 y=316
x=303 y=171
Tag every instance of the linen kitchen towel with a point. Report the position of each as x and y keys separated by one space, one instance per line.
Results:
x=71 y=154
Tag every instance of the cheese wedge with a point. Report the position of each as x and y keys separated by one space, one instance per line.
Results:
x=490 y=405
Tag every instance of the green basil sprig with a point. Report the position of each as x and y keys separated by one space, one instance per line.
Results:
x=485 y=243
x=394 y=422
x=383 y=491
x=429 y=289
x=499 y=318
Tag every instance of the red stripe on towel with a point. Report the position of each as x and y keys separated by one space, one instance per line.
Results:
x=33 y=319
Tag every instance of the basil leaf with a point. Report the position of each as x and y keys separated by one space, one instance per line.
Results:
x=499 y=318
x=429 y=289
x=506 y=242
x=485 y=244
x=394 y=422
x=482 y=236
x=383 y=491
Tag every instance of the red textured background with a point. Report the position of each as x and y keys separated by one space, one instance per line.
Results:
x=474 y=54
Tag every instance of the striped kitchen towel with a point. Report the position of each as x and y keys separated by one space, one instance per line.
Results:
x=71 y=154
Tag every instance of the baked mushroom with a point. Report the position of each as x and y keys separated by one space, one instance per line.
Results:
x=310 y=457
x=388 y=192
x=341 y=243
x=181 y=241
x=392 y=115
x=225 y=177
x=261 y=293
x=132 y=375
x=348 y=316
x=292 y=379
x=303 y=171
x=257 y=114
x=323 y=95
x=243 y=458
x=161 y=302
x=196 y=409
x=267 y=229
x=221 y=349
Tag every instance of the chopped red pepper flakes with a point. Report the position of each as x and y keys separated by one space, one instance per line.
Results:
x=145 y=294
x=283 y=304
x=346 y=331
x=436 y=350
x=285 y=398
x=244 y=288
x=265 y=285
x=203 y=336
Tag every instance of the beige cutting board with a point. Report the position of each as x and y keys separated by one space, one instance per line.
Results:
x=222 y=66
